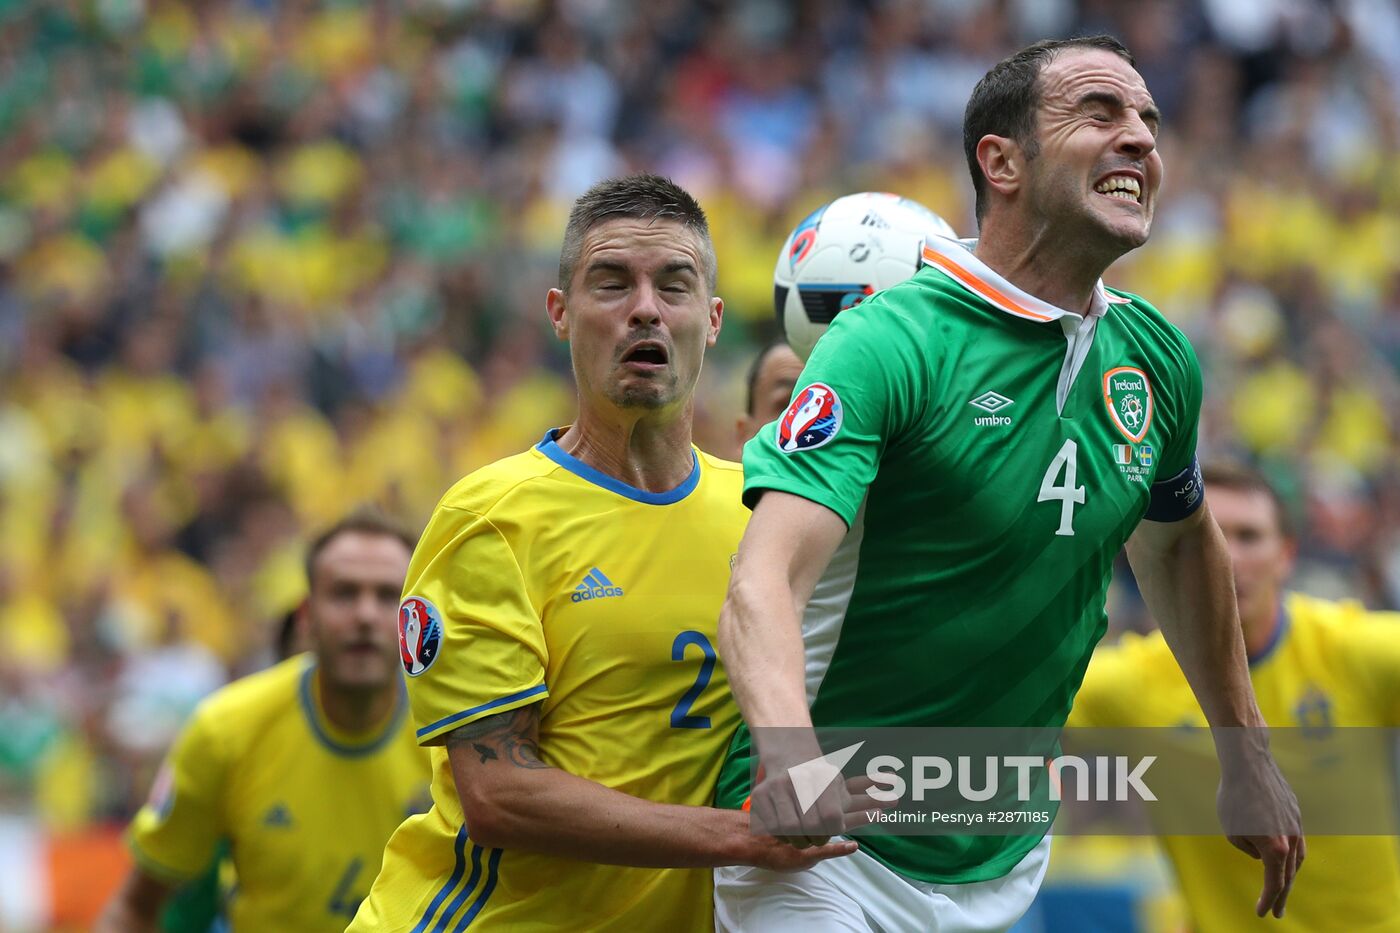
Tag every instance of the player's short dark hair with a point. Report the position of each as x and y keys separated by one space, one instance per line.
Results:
x=1005 y=101
x=363 y=521
x=1240 y=477
x=640 y=197
x=756 y=367
x=285 y=642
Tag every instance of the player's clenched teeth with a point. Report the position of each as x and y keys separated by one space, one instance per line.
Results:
x=1120 y=186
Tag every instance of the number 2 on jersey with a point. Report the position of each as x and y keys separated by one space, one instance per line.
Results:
x=680 y=716
x=1068 y=493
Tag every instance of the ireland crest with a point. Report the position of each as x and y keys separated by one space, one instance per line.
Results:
x=1128 y=395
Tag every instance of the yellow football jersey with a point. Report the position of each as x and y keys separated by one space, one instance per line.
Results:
x=542 y=580
x=306 y=807
x=1331 y=665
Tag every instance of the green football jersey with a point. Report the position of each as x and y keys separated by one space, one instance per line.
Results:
x=991 y=453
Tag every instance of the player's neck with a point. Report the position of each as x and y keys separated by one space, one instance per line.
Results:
x=648 y=451
x=1260 y=629
x=1042 y=262
x=359 y=710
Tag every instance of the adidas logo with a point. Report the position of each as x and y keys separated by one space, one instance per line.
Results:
x=277 y=815
x=594 y=586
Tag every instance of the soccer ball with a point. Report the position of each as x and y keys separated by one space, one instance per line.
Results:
x=844 y=252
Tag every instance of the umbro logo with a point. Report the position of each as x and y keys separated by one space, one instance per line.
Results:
x=595 y=586
x=991 y=403
x=278 y=816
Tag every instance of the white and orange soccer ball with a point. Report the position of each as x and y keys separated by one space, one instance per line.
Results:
x=844 y=252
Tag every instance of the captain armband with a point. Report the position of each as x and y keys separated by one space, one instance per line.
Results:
x=1176 y=498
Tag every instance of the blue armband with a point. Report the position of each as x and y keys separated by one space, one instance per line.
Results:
x=1176 y=498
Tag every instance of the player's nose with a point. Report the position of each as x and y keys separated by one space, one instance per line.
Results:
x=1136 y=138
x=646 y=309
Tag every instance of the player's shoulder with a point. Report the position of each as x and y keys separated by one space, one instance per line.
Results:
x=1148 y=324
x=721 y=481
x=1339 y=621
x=719 y=470
x=240 y=711
x=486 y=487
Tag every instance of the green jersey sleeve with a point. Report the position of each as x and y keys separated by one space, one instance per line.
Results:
x=1186 y=401
x=853 y=398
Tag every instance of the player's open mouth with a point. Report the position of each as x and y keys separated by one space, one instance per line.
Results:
x=1121 y=187
x=649 y=354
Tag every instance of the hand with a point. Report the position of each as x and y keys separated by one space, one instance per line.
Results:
x=770 y=852
x=842 y=805
x=777 y=855
x=1260 y=815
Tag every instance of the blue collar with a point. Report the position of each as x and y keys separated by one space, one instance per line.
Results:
x=313 y=714
x=1280 y=627
x=551 y=449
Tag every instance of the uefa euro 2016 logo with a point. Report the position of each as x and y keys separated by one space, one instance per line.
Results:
x=420 y=634
x=811 y=420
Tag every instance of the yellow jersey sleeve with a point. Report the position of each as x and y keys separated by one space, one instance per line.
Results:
x=175 y=834
x=471 y=638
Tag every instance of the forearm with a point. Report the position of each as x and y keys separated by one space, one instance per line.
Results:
x=1188 y=586
x=135 y=908
x=761 y=643
x=548 y=810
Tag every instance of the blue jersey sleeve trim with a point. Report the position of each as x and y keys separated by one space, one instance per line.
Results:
x=550 y=448
x=1177 y=498
x=494 y=704
x=308 y=706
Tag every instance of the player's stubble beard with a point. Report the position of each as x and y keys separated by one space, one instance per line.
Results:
x=651 y=393
x=1059 y=194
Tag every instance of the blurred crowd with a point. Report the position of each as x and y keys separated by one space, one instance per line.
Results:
x=262 y=261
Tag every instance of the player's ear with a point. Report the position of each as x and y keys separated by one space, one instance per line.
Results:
x=716 y=319
x=1002 y=161
x=554 y=303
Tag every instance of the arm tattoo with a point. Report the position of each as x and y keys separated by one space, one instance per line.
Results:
x=505 y=737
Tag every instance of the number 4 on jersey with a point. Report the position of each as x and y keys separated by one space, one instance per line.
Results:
x=1068 y=493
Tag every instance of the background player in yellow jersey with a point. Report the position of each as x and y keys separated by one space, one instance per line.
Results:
x=1315 y=664
x=768 y=389
x=558 y=624
x=305 y=768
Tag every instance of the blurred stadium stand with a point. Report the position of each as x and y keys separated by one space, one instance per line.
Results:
x=261 y=261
